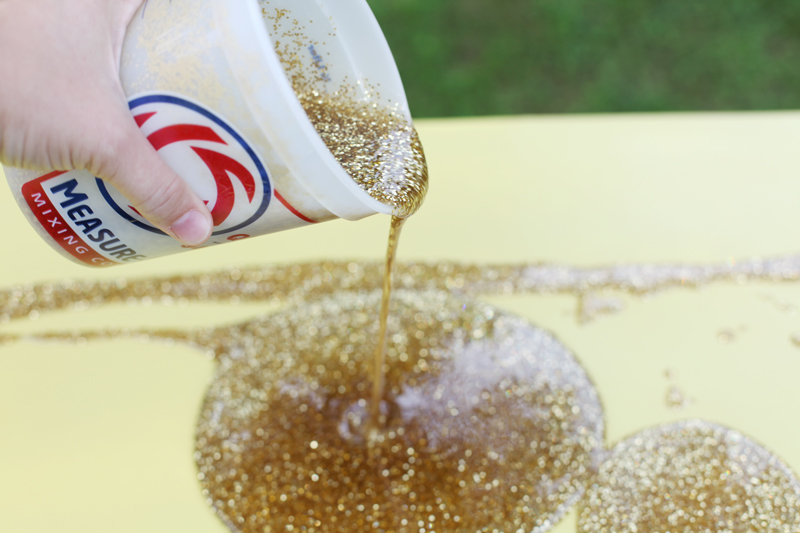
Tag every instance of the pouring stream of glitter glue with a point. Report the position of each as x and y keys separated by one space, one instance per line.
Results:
x=377 y=146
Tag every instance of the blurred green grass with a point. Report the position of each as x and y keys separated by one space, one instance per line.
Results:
x=495 y=57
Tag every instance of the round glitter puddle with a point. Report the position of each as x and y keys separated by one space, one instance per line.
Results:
x=489 y=422
x=691 y=476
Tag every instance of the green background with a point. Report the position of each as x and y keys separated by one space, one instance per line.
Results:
x=490 y=57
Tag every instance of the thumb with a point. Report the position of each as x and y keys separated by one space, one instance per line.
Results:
x=155 y=190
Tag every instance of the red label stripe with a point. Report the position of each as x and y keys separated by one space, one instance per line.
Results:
x=58 y=228
x=182 y=132
x=144 y=117
x=220 y=165
x=294 y=211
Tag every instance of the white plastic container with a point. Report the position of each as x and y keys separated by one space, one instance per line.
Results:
x=208 y=90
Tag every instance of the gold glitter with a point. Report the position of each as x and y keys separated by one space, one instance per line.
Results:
x=591 y=306
x=489 y=423
x=781 y=305
x=692 y=477
x=795 y=338
x=379 y=149
x=378 y=376
x=330 y=319
x=726 y=336
x=302 y=281
x=375 y=144
x=676 y=399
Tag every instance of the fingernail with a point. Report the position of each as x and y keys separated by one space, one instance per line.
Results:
x=192 y=228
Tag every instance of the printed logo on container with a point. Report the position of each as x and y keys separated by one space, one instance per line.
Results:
x=216 y=161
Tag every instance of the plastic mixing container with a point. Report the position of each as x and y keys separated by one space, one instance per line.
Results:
x=207 y=87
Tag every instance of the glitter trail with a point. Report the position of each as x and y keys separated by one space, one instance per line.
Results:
x=692 y=476
x=83 y=336
x=380 y=351
x=296 y=282
x=491 y=424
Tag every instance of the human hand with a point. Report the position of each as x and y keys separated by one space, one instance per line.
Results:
x=62 y=107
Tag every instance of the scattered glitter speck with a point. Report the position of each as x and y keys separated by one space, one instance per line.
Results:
x=781 y=305
x=591 y=306
x=676 y=399
x=796 y=339
x=726 y=336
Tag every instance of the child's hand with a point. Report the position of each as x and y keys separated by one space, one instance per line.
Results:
x=62 y=107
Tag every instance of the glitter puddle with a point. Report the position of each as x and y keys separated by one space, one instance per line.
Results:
x=489 y=423
x=312 y=358
x=692 y=476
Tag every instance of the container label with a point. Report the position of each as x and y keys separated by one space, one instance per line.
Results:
x=220 y=165
x=96 y=224
x=63 y=212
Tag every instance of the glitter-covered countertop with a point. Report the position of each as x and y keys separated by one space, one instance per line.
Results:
x=99 y=437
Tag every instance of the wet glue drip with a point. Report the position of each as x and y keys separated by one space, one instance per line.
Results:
x=379 y=378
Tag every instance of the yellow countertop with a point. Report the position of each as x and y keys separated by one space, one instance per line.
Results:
x=99 y=437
